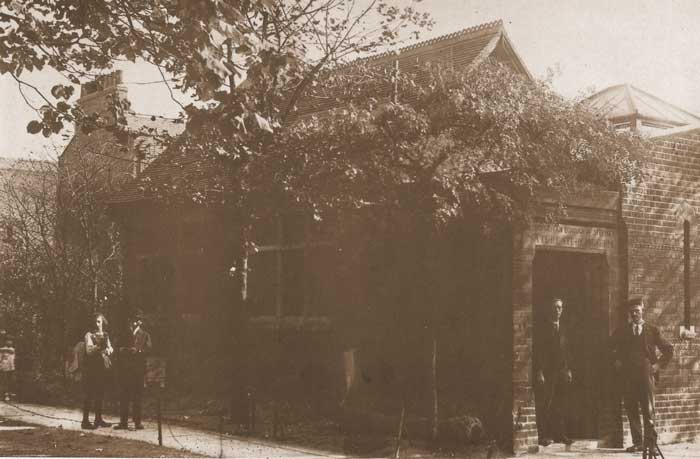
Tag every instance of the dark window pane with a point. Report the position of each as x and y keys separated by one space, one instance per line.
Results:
x=321 y=281
x=144 y=287
x=166 y=285
x=265 y=232
x=262 y=283
x=298 y=278
x=293 y=282
x=294 y=229
x=197 y=273
x=155 y=283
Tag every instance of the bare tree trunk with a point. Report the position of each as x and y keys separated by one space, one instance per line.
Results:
x=238 y=393
x=277 y=426
x=429 y=279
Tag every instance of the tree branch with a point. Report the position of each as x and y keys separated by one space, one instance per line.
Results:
x=21 y=82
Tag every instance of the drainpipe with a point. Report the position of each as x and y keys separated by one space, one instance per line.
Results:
x=622 y=256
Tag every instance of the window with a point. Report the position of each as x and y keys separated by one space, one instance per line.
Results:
x=292 y=271
x=154 y=284
x=200 y=261
x=138 y=162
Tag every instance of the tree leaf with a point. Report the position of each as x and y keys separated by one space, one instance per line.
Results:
x=34 y=127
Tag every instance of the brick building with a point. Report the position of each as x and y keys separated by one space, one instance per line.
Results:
x=660 y=216
x=315 y=330
x=612 y=245
x=306 y=326
x=95 y=163
x=630 y=108
x=124 y=147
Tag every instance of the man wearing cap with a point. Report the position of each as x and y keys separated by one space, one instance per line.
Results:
x=634 y=348
x=132 y=369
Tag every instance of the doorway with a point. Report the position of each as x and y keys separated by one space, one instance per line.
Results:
x=581 y=281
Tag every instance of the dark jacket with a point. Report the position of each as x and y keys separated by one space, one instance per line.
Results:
x=551 y=349
x=133 y=350
x=623 y=340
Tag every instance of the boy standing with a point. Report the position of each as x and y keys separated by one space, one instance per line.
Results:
x=132 y=370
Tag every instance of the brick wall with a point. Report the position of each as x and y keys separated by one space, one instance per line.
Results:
x=654 y=212
x=602 y=238
x=525 y=428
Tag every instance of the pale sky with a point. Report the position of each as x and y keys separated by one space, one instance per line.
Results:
x=651 y=44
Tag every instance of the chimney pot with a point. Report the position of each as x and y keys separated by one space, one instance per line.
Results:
x=95 y=96
x=101 y=83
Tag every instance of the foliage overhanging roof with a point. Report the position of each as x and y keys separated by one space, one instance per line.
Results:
x=463 y=48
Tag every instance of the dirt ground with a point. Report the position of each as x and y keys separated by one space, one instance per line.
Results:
x=48 y=441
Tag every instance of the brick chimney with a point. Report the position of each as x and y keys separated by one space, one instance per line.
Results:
x=97 y=96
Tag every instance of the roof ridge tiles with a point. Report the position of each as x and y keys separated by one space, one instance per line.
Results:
x=496 y=25
x=477 y=28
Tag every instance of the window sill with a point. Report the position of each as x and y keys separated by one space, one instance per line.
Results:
x=300 y=323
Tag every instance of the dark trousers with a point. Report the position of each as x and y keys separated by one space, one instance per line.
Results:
x=551 y=405
x=94 y=380
x=639 y=397
x=131 y=393
x=7 y=382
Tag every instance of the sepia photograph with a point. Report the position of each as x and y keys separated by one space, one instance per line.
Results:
x=350 y=229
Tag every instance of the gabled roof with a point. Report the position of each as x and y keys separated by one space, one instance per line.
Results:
x=461 y=49
x=625 y=101
x=168 y=171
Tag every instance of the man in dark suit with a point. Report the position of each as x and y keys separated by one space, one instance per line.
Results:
x=135 y=347
x=552 y=376
x=634 y=348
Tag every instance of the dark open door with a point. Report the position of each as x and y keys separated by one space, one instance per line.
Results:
x=581 y=280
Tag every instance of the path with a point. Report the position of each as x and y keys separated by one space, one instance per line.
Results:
x=196 y=441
